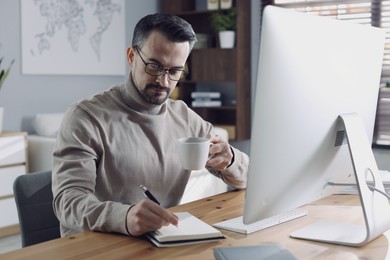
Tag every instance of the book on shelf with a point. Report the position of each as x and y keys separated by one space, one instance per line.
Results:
x=205 y=95
x=206 y=103
x=231 y=129
x=190 y=230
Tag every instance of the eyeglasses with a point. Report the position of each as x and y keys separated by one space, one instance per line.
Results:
x=155 y=69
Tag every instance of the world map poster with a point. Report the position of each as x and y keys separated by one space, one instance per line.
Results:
x=73 y=37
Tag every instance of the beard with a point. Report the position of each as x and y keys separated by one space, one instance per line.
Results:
x=155 y=94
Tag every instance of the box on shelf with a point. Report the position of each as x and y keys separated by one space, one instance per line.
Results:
x=203 y=41
x=206 y=99
x=205 y=95
x=206 y=103
x=212 y=4
x=231 y=129
x=226 y=4
x=201 y=5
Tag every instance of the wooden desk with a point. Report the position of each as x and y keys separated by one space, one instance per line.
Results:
x=214 y=209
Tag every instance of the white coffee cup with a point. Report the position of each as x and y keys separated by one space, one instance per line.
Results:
x=193 y=152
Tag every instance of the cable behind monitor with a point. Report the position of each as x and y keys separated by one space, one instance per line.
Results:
x=376 y=208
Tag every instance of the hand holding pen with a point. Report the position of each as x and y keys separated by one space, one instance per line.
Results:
x=150 y=196
x=148 y=215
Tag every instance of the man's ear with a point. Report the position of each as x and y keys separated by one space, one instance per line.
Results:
x=130 y=55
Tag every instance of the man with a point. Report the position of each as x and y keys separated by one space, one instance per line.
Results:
x=115 y=141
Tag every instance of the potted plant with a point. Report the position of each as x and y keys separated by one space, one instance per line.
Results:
x=224 y=22
x=4 y=72
x=3 y=76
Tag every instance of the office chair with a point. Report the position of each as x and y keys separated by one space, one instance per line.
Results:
x=34 y=197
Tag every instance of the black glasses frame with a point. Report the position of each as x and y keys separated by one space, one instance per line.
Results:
x=159 y=69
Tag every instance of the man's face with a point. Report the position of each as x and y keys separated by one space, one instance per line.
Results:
x=158 y=50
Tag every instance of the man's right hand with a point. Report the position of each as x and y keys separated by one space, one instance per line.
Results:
x=147 y=216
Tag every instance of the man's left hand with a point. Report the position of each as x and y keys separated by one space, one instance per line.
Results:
x=220 y=155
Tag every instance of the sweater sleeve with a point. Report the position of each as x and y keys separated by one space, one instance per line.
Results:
x=75 y=160
x=236 y=174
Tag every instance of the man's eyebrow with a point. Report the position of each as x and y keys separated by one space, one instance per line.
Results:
x=152 y=60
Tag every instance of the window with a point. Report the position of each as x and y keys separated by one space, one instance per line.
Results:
x=375 y=13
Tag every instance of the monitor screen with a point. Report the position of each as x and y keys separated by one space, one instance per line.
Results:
x=311 y=69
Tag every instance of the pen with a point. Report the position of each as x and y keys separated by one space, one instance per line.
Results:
x=149 y=195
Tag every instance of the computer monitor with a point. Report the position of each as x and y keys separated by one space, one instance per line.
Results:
x=311 y=70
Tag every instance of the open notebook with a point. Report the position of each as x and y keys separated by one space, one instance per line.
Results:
x=190 y=230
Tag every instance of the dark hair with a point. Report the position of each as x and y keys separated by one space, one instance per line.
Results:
x=173 y=27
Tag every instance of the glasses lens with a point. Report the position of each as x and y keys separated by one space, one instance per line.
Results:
x=175 y=74
x=158 y=70
x=154 y=69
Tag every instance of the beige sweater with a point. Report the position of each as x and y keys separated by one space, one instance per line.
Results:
x=112 y=143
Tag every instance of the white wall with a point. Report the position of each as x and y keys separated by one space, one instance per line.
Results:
x=23 y=96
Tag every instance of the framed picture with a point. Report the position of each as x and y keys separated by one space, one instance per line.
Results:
x=73 y=37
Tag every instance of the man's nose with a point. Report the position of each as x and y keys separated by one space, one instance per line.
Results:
x=163 y=78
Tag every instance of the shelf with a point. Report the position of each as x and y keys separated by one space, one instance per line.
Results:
x=216 y=108
x=206 y=81
x=214 y=49
x=215 y=65
x=213 y=69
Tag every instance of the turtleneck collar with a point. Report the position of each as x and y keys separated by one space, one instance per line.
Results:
x=133 y=99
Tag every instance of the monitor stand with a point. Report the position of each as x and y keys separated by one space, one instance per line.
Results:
x=376 y=209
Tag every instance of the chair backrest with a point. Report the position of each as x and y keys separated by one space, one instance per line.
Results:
x=34 y=202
